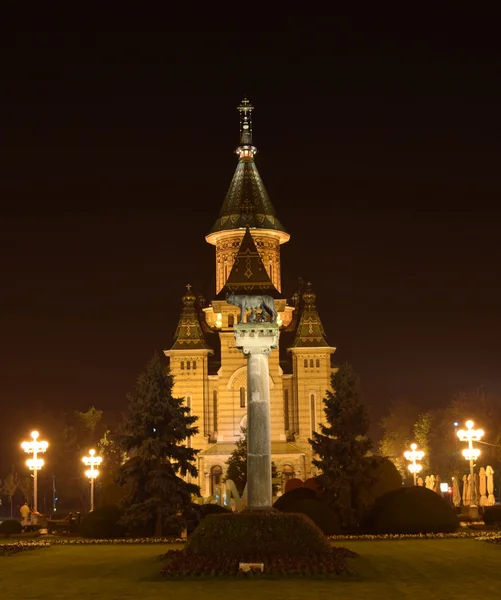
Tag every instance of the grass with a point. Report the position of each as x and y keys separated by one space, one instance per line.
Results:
x=449 y=568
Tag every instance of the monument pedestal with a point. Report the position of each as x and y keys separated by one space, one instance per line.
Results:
x=257 y=340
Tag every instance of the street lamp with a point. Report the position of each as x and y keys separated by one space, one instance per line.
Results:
x=471 y=435
x=92 y=461
x=413 y=456
x=35 y=463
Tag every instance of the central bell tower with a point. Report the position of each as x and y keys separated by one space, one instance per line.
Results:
x=247 y=205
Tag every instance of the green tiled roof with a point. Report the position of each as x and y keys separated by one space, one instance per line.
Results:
x=310 y=331
x=247 y=203
x=248 y=274
x=189 y=334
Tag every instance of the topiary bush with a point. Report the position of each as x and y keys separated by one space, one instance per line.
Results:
x=288 y=499
x=214 y=509
x=385 y=475
x=10 y=527
x=492 y=515
x=102 y=523
x=288 y=544
x=410 y=510
x=319 y=512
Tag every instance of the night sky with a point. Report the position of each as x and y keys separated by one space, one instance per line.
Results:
x=380 y=152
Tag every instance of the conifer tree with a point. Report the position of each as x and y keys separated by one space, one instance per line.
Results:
x=155 y=433
x=342 y=445
x=237 y=465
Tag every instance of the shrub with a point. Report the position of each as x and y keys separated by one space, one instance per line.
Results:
x=292 y=484
x=287 y=544
x=10 y=527
x=291 y=497
x=214 y=509
x=246 y=532
x=386 y=477
x=323 y=515
x=410 y=510
x=102 y=523
x=492 y=515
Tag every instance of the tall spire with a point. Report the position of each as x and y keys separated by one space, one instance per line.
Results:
x=247 y=203
x=245 y=109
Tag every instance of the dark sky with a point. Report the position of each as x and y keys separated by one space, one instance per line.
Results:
x=379 y=147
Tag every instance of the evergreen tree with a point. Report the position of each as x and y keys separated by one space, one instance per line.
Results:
x=156 y=430
x=9 y=487
x=342 y=447
x=237 y=466
x=237 y=463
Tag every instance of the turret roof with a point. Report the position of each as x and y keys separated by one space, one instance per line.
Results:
x=248 y=274
x=189 y=334
x=247 y=203
x=310 y=331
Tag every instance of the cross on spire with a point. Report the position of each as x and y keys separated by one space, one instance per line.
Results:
x=245 y=109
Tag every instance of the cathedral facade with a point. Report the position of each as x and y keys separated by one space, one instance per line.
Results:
x=211 y=374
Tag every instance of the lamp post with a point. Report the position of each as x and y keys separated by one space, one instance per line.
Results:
x=413 y=455
x=471 y=435
x=92 y=461
x=35 y=463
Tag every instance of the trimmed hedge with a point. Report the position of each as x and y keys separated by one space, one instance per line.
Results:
x=410 y=510
x=287 y=544
x=245 y=532
x=319 y=512
x=492 y=515
x=290 y=498
x=102 y=523
x=10 y=527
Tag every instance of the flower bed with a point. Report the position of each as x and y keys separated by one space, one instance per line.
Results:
x=413 y=536
x=333 y=562
x=9 y=549
x=117 y=541
x=491 y=537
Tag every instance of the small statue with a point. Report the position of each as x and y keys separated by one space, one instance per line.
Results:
x=264 y=303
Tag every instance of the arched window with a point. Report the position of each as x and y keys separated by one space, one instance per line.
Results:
x=311 y=363
x=215 y=478
x=188 y=365
x=194 y=364
x=214 y=409
x=318 y=363
x=242 y=397
x=305 y=363
x=231 y=320
x=286 y=410
x=313 y=413
x=182 y=365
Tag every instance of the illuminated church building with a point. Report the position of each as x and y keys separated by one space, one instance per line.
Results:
x=211 y=374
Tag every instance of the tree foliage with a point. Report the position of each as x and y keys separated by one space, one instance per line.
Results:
x=398 y=433
x=237 y=465
x=342 y=446
x=156 y=438
x=434 y=431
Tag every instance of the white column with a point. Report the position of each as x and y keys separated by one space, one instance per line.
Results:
x=256 y=341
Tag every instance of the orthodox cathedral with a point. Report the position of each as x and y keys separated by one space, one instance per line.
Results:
x=210 y=373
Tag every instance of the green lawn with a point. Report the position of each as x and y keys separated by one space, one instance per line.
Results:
x=432 y=569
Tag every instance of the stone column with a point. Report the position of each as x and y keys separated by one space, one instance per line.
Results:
x=256 y=341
